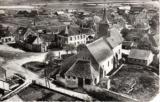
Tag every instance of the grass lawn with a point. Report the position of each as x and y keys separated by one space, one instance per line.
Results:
x=39 y=68
x=37 y=93
x=135 y=81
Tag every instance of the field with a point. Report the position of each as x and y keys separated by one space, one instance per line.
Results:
x=135 y=81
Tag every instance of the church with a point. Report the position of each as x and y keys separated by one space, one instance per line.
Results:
x=95 y=60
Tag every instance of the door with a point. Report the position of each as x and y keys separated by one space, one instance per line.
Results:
x=80 y=82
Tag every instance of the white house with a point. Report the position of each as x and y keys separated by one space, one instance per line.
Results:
x=71 y=36
x=140 y=57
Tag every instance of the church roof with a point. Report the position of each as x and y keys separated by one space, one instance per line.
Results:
x=100 y=50
x=115 y=38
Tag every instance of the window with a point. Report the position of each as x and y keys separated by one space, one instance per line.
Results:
x=71 y=38
x=68 y=77
x=74 y=77
x=83 y=36
x=78 y=36
x=6 y=40
x=108 y=63
x=95 y=80
x=87 y=81
x=2 y=40
x=9 y=39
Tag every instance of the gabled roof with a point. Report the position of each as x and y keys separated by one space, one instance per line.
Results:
x=67 y=63
x=115 y=38
x=47 y=37
x=87 y=31
x=2 y=74
x=24 y=30
x=5 y=32
x=82 y=69
x=100 y=50
x=70 y=31
x=30 y=39
x=139 y=54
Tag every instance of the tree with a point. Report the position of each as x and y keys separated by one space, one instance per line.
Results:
x=49 y=57
x=125 y=32
x=69 y=47
x=154 y=22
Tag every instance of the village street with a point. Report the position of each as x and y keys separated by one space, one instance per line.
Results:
x=15 y=66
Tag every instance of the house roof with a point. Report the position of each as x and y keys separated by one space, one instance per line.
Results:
x=5 y=32
x=67 y=63
x=65 y=56
x=23 y=30
x=82 y=69
x=87 y=31
x=127 y=43
x=47 y=37
x=70 y=31
x=100 y=50
x=2 y=74
x=139 y=54
x=30 y=39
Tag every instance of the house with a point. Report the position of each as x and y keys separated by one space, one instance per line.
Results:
x=90 y=34
x=140 y=57
x=35 y=44
x=4 y=86
x=136 y=10
x=6 y=37
x=81 y=73
x=124 y=9
x=22 y=32
x=71 y=36
x=127 y=45
x=2 y=13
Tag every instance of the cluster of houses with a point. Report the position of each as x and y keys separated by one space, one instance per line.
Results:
x=35 y=40
x=96 y=60
x=98 y=53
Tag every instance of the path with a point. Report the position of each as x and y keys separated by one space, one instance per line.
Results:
x=15 y=66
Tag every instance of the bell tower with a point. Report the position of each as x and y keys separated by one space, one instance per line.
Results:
x=103 y=29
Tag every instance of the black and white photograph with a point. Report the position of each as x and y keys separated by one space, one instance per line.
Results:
x=79 y=50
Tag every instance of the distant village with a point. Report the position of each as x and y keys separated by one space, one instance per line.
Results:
x=113 y=50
